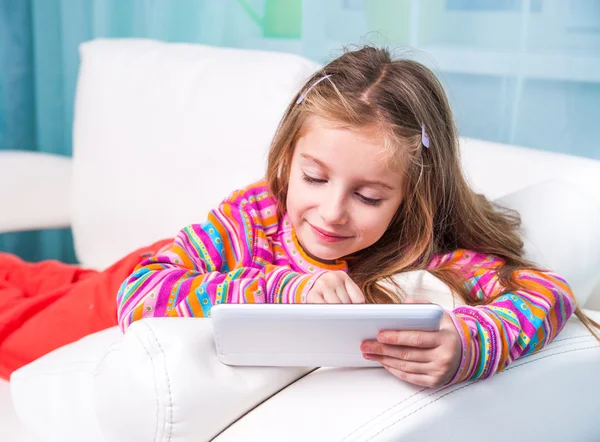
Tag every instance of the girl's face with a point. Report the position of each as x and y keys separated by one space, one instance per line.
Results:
x=341 y=195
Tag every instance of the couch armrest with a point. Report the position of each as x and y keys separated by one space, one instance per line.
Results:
x=53 y=396
x=35 y=191
x=160 y=381
x=371 y=405
x=163 y=381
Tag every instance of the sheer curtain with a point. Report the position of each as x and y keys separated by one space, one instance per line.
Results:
x=525 y=72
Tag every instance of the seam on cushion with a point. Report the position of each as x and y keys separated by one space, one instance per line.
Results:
x=390 y=408
x=260 y=403
x=116 y=348
x=168 y=388
x=554 y=347
x=154 y=375
x=572 y=337
x=473 y=383
x=110 y=351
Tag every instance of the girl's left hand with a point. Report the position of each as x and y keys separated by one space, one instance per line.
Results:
x=425 y=358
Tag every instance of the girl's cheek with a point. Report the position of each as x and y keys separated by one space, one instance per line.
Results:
x=377 y=223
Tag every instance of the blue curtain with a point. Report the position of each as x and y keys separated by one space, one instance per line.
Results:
x=523 y=72
x=32 y=115
x=38 y=70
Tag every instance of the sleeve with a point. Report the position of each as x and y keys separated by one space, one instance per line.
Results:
x=515 y=324
x=224 y=260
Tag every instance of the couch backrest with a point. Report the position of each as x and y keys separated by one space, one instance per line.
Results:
x=163 y=132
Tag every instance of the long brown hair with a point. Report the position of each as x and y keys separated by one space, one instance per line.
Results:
x=440 y=213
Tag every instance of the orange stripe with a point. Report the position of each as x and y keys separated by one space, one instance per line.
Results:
x=566 y=289
x=183 y=256
x=138 y=312
x=341 y=265
x=227 y=246
x=249 y=292
x=195 y=306
x=300 y=290
x=269 y=220
x=198 y=280
x=154 y=266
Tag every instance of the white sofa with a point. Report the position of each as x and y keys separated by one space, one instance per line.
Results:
x=155 y=121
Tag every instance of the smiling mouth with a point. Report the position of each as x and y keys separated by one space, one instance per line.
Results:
x=328 y=236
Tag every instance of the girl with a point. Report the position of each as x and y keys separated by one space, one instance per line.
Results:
x=364 y=182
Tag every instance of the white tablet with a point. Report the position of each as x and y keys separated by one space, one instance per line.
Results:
x=310 y=335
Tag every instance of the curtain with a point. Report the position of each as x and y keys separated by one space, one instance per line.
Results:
x=38 y=71
x=523 y=72
x=32 y=111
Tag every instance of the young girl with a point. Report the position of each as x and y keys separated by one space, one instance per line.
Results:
x=364 y=182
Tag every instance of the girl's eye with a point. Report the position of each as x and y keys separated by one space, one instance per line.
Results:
x=312 y=180
x=364 y=199
x=369 y=201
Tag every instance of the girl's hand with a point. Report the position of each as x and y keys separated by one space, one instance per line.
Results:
x=335 y=287
x=429 y=359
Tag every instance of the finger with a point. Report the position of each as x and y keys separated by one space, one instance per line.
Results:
x=330 y=296
x=343 y=295
x=414 y=378
x=354 y=291
x=398 y=352
x=399 y=364
x=410 y=338
x=316 y=298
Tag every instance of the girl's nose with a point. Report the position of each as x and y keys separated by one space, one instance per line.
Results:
x=333 y=211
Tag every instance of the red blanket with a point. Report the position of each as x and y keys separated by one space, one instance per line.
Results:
x=49 y=304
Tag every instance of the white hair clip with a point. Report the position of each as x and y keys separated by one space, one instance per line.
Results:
x=303 y=96
x=424 y=137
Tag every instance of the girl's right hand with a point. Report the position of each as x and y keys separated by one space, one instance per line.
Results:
x=335 y=287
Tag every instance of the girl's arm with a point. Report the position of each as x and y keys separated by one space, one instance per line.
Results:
x=513 y=325
x=224 y=260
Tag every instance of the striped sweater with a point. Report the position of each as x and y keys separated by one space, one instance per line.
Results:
x=244 y=253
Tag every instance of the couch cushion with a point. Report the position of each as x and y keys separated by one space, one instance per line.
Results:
x=496 y=169
x=561 y=231
x=163 y=132
x=12 y=428
x=371 y=405
x=54 y=395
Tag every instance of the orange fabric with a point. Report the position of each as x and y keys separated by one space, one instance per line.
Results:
x=46 y=305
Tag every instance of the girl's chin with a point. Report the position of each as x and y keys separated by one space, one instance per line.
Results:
x=321 y=253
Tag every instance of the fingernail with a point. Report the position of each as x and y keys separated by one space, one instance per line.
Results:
x=382 y=339
x=366 y=356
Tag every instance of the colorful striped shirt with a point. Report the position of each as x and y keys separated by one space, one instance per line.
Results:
x=245 y=253
x=513 y=325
